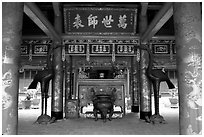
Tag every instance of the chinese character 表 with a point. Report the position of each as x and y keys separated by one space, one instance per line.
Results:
x=92 y=21
x=78 y=22
x=122 y=20
x=107 y=21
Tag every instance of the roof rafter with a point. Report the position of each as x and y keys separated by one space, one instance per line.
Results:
x=160 y=19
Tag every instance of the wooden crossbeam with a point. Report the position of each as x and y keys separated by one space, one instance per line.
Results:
x=160 y=19
x=40 y=20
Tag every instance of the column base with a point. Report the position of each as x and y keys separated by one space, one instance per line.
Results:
x=135 y=109
x=57 y=115
x=144 y=114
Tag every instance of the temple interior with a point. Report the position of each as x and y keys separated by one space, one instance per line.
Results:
x=101 y=68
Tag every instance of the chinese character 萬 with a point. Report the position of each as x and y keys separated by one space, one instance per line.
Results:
x=107 y=21
x=78 y=22
x=92 y=21
x=122 y=20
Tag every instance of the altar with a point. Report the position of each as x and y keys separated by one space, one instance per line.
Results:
x=101 y=86
x=100 y=73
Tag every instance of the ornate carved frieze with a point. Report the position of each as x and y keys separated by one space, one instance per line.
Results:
x=75 y=49
x=34 y=52
x=104 y=46
x=162 y=46
x=100 y=46
x=40 y=49
x=43 y=41
x=24 y=50
x=35 y=47
x=164 y=51
x=116 y=41
x=103 y=63
x=125 y=49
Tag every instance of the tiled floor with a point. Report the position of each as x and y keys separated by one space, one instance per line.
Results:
x=130 y=124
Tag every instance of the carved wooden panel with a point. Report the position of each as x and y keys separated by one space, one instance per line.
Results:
x=72 y=109
x=85 y=95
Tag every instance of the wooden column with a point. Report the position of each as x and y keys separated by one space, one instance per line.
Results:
x=67 y=73
x=145 y=92
x=188 y=30
x=57 y=93
x=135 y=84
x=12 y=18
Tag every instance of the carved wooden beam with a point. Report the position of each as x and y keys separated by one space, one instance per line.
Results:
x=37 y=16
x=160 y=19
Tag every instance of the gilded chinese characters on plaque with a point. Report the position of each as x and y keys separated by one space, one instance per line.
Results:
x=102 y=21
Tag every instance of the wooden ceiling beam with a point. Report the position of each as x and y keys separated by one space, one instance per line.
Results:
x=144 y=7
x=56 y=7
x=159 y=20
x=40 y=20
